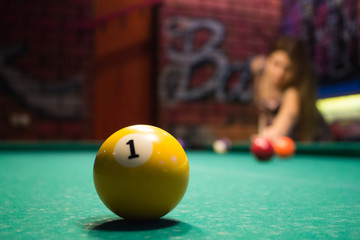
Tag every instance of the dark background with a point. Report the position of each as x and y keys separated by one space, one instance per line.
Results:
x=80 y=70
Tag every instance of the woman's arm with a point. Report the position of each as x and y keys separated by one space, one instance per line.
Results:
x=286 y=117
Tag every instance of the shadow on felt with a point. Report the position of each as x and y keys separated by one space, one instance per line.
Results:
x=124 y=225
x=114 y=228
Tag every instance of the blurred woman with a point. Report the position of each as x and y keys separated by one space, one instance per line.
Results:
x=285 y=93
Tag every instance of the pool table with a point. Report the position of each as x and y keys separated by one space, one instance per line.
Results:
x=47 y=192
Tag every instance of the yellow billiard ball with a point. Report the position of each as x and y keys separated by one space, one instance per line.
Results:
x=141 y=172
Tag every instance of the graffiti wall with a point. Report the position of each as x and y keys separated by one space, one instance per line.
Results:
x=204 y=86
x=331 y=29
x=44 y=61
x=68 y=68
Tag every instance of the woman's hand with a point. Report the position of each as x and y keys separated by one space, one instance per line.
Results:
x=270 y=133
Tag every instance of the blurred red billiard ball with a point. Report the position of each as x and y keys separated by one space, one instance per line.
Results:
x=262 y=148
x=284 y=147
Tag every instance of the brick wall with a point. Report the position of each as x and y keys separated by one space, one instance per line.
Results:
x=44 y=79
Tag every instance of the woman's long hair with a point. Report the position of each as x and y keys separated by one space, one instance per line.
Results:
x=304 y=80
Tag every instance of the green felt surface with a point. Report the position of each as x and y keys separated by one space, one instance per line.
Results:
x=49 y=194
